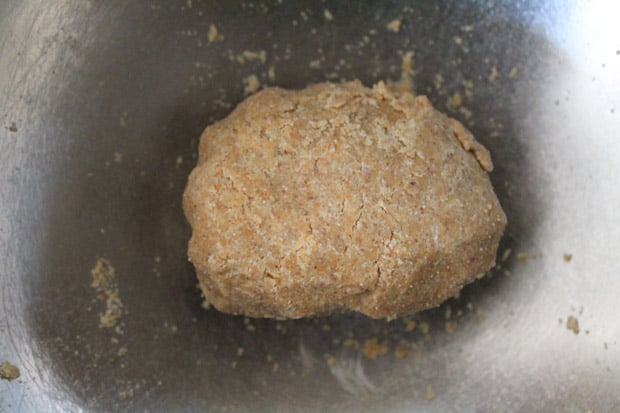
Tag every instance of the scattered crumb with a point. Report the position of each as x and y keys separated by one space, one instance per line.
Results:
x=249 y=56
x=568 y=257
x=125 y=394
x=407 y=64
x=572 y=324
x=121 y=351
x=438 y=81
x=113 y=311
x=248 y=325
x=104 y=283
x=373 y=349
x=394 y=25
x=331 y=360
x=410 y=325
x=458 y=40
x=118 y=157
x=214 y=35
x=494 y=74
x=455 y=100
x=467 y=28
x=315 y=64
x=8 y=371
x=271 y=73
x=401 y=351
x=425 y=328
x=12 y=127
x=328 y=15
x=430 y=394
x=103 y=275
x=351 y=342
x=451 y=326
x=205 y=304
x=522 y=256
x=123 y=120
x=251 y=84
x=179 y=161
x=506 y=254
x=513 y=73
x=405 y=83
x=465 y=112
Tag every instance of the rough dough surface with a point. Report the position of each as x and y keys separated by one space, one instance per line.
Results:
x=339 y=197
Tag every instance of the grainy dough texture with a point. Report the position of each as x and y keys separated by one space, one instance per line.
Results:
x=339 y=197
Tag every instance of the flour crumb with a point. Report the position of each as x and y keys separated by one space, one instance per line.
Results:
x=271 y=73
x=455 y=101
x=451 y=326
x=250 y=56
x=494 y=74
x=214 y=34
x=373 y=349
x=572 y=324
x=328 y=15
x=513 y=73
x=8 y=371
x=522 y=257
x=402 y=351
x=430 y=394
x=251 y=84
x=410 y=325
x=104 y=283
x=394 y=25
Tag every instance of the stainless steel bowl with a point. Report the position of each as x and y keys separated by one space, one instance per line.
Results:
x=101 y=105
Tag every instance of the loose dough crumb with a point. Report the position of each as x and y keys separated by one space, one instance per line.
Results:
x=402 y=351
x=351 y=342
x=522 y=257
x=456 y=100
x=430 y=394
x=451 y=326
x=251 y=84
x=568 y=257
x=295 y=213
x=373 y=349
x=214 y=35
x=572 y=324
x=104 y=282
x=328 y=15
x=394 y=25
x=8 y=371
x=410 y=325
x=513 y=73
x=494 y=74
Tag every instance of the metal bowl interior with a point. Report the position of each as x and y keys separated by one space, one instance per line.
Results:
x=101 y=107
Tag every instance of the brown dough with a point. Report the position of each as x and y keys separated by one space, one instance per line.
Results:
x=339 y=197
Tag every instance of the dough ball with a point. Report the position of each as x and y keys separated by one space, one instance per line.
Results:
x=339 y=197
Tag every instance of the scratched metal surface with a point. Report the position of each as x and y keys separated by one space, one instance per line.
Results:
x=101 y=105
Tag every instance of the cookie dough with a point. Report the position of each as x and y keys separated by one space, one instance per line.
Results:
x=339 y=197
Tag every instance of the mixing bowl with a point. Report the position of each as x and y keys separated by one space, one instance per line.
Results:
x=101 y=106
